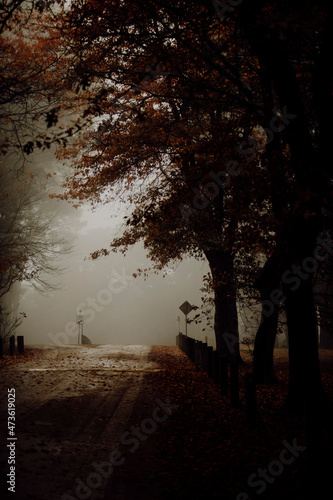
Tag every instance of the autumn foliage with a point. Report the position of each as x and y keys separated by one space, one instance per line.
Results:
x=214 y=131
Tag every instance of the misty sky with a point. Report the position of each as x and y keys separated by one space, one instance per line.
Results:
x=117 y=308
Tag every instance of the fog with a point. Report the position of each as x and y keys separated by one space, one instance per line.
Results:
x=117 y=308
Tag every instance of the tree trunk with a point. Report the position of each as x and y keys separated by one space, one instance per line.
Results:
x=226 y=318
x=326 y=338
x=304 y=370
x=302 y=221
x=263 y=353
x=269 y=286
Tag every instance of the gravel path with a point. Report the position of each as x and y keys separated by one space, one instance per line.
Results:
x=141 y=423
x=75 y=409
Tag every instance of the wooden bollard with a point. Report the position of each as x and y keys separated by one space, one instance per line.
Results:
x=12 y=345
x=224 y=375
x=250 y=399
x=20 y=344
x=234 y=385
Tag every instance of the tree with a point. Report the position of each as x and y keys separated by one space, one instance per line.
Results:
x=193 y=101
x=206 y=90
x=323 y=300
x=281 y=54
x=9 y=322
x=33 y=78
x=31 y=83
x=29 y=245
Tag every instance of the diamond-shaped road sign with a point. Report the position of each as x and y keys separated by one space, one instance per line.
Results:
x=186 y=308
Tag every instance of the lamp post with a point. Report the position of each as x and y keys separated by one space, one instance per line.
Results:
x=79 y=321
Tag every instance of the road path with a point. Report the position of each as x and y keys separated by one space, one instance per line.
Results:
x=75 y=411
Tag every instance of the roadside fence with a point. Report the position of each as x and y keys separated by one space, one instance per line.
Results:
x=224 y=374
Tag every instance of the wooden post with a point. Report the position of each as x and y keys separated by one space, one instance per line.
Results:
x=216 y=367
x=250 y=398
x=204 y=356
x=192 y=349
x=187 y=344
x=234 y=385
x=199 y=354
x=12 y=345
x=195 y=353
x=20 y=344
x=224 y=375
x=210 y=368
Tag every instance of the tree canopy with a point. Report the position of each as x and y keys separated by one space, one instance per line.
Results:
x=213 y=125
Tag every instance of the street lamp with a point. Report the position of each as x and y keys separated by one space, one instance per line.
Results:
x=79 y=321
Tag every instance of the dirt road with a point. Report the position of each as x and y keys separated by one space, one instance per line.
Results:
x=78 y=412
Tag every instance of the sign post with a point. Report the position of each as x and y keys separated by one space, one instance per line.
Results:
x=185 y=309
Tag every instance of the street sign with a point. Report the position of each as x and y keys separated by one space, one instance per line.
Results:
x=186 y=308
